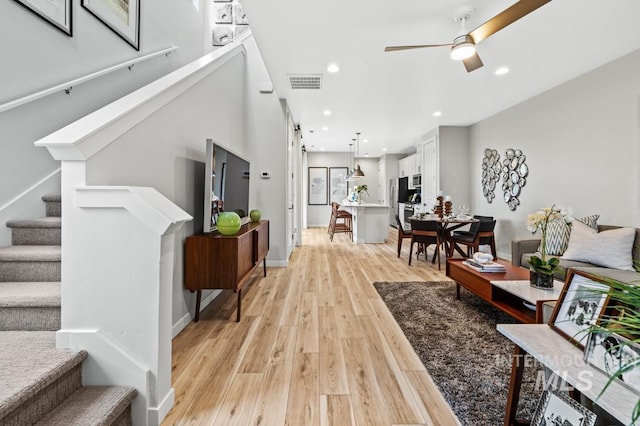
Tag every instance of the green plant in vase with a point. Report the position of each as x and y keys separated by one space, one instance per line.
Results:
x=543 y=267
x=622 y=318
x=359 y=189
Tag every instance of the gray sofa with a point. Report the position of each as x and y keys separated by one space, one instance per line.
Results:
x=522 y=250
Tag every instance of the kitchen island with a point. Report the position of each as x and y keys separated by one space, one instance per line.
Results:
x=370 y=222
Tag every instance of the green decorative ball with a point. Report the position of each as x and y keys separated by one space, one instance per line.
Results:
x=255 y=215
x=229 y=223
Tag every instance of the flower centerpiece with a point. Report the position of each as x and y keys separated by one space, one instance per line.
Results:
x=359 y=189
x=542 y=268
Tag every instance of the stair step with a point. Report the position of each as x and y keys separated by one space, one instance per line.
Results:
x=92 y=405
x=53 y=203
x=30 y=263
x=29 y=306
x=36 y=377
x=44 y=231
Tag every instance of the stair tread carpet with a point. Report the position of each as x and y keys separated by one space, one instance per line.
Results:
x=41 y=222
x=30 y=362
x=91 y=406
x=29 y=294
x=31 y=254
x=54 y=198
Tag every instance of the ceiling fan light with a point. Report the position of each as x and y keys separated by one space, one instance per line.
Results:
x=462 y=51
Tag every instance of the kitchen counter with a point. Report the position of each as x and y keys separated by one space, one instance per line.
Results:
x=370 y=222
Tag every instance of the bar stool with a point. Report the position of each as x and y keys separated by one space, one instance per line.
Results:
x=341 y=221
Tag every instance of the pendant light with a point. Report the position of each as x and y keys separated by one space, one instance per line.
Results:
x=350 y=172
x=358 y=173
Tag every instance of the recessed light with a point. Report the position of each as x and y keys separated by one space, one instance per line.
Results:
x=327 y=112
x=366 y=154
x=384 y=149
x=333 y=68
x=325 y=128
x=502 y=71
x=365 y=140
x=437 y=113
x=322 y=149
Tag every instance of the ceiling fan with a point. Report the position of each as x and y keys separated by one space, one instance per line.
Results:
x=463 y=47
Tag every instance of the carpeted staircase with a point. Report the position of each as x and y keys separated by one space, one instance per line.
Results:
x=40 y=384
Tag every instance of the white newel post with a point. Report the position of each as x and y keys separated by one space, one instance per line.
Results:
x=118 y=256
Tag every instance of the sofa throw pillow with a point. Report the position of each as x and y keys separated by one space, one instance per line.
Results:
x=611 y=249
x=558 y=233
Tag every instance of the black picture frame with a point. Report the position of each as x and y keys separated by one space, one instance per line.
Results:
x=44 y=9
x=124 y=22
x=318 y=188
x=580 y=306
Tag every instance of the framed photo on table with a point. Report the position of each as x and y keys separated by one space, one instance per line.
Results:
x=614 y=355
x=317 y=186
x=555 y=408
x=338 y=185
x=580 y=306
x=55 y=12
x=121 y=16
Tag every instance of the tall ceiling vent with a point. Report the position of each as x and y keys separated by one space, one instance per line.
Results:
x=305 y=81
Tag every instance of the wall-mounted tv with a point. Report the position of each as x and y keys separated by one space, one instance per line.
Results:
x=226 y=184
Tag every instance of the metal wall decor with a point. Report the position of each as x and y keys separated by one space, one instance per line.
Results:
x=490 y=173
x=514 y=176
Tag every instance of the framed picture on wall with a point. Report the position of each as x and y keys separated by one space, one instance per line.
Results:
x=55 y=12
x=224 y=14
x=317 y=186
x=121 y=16
x=338 y=189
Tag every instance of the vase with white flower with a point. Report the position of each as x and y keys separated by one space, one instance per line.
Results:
x=543 y=267
x=359 y=189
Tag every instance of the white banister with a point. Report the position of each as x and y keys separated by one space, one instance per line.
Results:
x=67 y=86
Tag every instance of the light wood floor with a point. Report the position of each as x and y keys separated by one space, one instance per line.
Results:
x=316 y=346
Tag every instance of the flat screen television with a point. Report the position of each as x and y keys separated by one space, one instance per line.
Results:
x=226 y=184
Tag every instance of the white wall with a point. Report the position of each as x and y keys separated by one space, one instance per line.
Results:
x=581 y=141
x=167 y=152
x=37 y=56
x=320 y=215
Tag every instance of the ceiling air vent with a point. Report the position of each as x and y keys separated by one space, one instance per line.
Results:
x=305 y=81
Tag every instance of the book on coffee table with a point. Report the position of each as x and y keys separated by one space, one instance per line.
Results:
x=485 y=267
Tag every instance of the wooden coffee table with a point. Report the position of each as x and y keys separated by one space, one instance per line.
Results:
x=507 y=298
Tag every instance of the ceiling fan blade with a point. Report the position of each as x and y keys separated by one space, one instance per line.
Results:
x=506 y=17
x=420 y=46
x=472 y=63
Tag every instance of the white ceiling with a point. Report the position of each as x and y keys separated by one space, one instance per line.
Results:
x=391 y=97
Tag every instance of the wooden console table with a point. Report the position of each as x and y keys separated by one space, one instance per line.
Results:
x=214 y=261
x=565 y=360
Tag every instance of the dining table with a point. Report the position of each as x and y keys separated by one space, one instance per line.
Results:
x=448 y=224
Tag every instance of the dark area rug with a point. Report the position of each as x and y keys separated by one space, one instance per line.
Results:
x=459 y=345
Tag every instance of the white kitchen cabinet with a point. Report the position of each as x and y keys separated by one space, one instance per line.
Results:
x=445 y=165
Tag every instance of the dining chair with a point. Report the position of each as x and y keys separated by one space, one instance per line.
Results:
x=483 y=235
x=402 y=234
x=473 y=229
x=426 y=233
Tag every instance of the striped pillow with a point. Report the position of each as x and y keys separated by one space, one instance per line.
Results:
x=558 y=233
